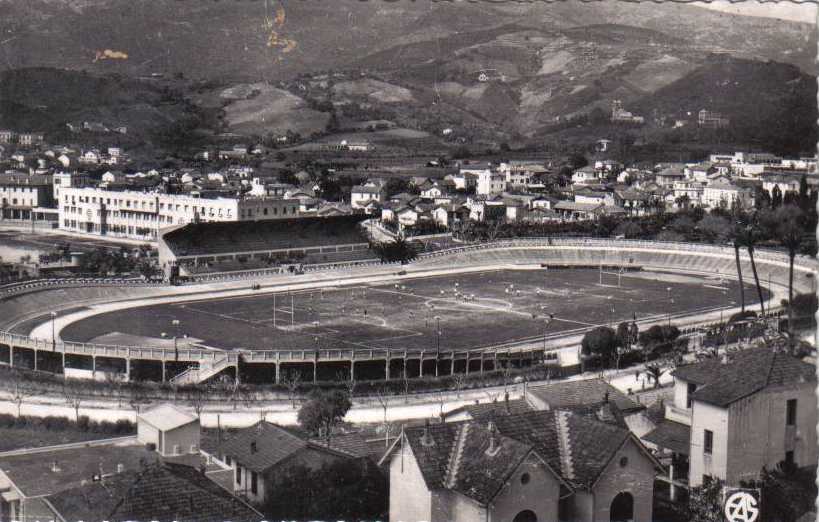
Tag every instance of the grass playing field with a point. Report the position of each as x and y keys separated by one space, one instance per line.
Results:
x=469 y=311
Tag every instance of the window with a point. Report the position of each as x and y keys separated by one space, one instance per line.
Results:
x=525 y=478
x=238 y=474
x=623 y=462
x=690 y=391
x=708 y=442
x=790 y=414
x=254 y=486
x=789 y=459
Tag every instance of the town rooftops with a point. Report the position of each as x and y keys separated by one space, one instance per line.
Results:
x=581 y=394
x=577 y=448
x=44 y=471
x=671 y=435
x=167 y=417
x=13 y=179
x=577 y=207
x=457 y=456
x=724 y=381
x=264 y=445
x=163 y=492
x=507 y=407
x=366 y=189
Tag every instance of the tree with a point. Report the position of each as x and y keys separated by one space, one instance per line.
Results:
x=705 y=502
x=683 y=225
x=749 y=235
x=737 y=237
x=600 y=342
x=74 y=399
x=776 y=197
x=342 y=489
x=714 y=228
x=382 y=396
x=790 y=233
x=458 y=381
x=19 y=396
x=629 y=229
x=323 y=411
x=292 y=380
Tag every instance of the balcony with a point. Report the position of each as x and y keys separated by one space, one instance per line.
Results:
x=677 y=414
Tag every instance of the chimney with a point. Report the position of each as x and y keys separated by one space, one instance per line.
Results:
x=725 y=359
x=494 y=446
x=55 y=467
x=120 y=468
x=426 y=438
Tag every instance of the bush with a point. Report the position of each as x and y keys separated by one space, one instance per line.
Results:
x=83 y=423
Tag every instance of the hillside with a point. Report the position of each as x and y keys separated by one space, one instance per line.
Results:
x=276 y=39
x=46 y=99
x=770 y=104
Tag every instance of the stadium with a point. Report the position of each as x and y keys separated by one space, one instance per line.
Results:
x=455 y=309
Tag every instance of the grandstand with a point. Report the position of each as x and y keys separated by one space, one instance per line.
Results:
x=218 y=247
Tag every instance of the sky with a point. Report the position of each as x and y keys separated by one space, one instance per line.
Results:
x=800 y=12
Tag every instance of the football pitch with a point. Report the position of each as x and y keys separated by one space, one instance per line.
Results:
x=454 y=312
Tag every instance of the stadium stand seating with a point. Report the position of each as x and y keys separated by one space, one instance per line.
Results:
x=276 y=234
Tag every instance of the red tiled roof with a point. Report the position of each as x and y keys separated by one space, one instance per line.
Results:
x=162 y=492
x=748 y=371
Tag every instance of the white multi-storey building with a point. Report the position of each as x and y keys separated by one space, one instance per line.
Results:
x=140 y=215
x=490 y=183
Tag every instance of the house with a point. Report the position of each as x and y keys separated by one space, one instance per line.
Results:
x=449 y=214
x=544 y=202
x=170 y=429
x=258 y=454
x=734 y=415
x=719 y=194
x=162 y=492
x=407 y=217
x=433 y=190
x=687 y=194
x=521 y=173
x=30 y=138
x=362 y=195
x=543 y=215
x=530 y=466
x=786 y=183
x=597 y=196
x=669 y=175
x=30 y=478
x=634 y=202
x=462 y=180
x=483 y=208
x=516 y=210
x=7 y=136
x=90 y=157
x=699 y=172
x=572 y=211
x=585 y=395
x=490 y=183
x=586 y=175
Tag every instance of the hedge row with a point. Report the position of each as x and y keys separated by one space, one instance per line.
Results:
x=83 y=424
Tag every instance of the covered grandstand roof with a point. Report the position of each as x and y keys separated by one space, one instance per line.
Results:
x=197 y=239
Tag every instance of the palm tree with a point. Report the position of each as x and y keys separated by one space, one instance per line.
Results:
x=749 y=237
x=736 y=233
x=790 y=233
